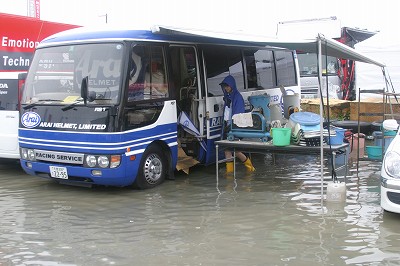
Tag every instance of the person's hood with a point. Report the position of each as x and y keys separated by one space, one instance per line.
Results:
x=235 y=97
x=230 y=81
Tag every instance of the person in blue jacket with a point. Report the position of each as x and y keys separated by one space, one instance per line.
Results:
x=234 y=104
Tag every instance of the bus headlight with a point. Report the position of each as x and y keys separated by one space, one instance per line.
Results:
x=103 y=161
x=31 y=155
x=24 y=153
x=28 y=154
x=91 y=160
x=392 y=164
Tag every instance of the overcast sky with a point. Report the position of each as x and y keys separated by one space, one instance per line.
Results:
x=252 y=16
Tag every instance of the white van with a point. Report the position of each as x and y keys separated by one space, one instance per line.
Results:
x=9 y=115
x=390 y=172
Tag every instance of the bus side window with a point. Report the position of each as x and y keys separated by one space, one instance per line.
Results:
x=137 y=74
x=147 y=79
x=220 y=62
x=142 y=115
x=260 y=67
x=156 y=85
x=285 y=68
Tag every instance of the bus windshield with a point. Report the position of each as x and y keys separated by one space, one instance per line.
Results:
x=56 y=74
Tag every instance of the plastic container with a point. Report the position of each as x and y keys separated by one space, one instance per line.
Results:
x=374 y=152
x=338 y=139
x=336 y=192
x=308 y=121
x=388 y=137
x=281 y=136
x=357 y=142
x=276 y=112
x=291 y=104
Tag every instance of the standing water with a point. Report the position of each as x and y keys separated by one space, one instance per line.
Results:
x=273 y=216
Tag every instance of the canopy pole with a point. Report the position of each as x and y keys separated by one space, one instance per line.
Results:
x=321 y=122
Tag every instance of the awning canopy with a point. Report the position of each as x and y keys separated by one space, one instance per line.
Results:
x=328 y=46
x=320 y=45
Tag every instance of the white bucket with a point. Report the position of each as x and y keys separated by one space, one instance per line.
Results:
x=291 y=104
x=336 y=192
x=275 y=112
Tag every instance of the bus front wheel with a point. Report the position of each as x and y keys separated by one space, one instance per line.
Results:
x=153 y=168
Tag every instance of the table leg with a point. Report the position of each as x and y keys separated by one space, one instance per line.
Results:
x=217 y=161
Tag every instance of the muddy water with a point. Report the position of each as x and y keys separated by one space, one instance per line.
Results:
x=271 y=217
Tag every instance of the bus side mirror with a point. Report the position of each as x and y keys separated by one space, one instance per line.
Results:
x=84 y=89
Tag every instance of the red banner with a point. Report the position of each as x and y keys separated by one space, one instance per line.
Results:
x=20 y=38
x=22 y=34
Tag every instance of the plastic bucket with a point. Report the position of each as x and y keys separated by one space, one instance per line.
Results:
x=374 y=152
x=357 y=143
x=338 y=139
x=281 y=136
x=291 y=104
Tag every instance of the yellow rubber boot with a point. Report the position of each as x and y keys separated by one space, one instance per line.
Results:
x=229 y=167
x=249 y=166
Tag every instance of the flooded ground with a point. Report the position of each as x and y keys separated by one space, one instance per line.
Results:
x=271 y=217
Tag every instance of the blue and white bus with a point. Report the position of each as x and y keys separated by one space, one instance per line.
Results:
x=102 y=107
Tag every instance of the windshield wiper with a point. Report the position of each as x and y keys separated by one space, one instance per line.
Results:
x=39 y=101
x=70 y=106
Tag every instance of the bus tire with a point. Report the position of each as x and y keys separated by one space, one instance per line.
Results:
x=153 y=168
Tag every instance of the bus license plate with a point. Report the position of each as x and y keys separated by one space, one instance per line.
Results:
x=58 y=172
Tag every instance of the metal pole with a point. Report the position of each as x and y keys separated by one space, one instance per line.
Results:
x=321 y=118
x=217 y=162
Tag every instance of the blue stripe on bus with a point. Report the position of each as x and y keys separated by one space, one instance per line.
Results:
x=100 y=142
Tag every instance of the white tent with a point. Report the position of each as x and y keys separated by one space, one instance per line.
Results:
x=385 y=47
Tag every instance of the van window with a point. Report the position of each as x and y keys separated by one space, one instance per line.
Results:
x=9 y=94
x=221 y=62
x=285 y=68
x=260 y=68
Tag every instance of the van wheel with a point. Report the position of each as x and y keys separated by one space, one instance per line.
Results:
x=153 y=168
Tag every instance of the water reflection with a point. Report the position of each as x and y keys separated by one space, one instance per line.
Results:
x=273 y=216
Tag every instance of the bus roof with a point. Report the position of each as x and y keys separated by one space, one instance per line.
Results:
x=106 y=33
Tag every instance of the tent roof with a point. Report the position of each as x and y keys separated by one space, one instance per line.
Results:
x=328 y=46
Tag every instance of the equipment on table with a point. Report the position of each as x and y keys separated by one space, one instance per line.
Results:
x=255 y=124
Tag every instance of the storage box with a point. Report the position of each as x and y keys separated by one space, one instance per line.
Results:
x=388 y=137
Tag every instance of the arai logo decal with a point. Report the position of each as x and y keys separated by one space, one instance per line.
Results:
x=30 y=119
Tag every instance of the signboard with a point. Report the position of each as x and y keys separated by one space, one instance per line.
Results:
x=34 y=8
x=20 y=38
